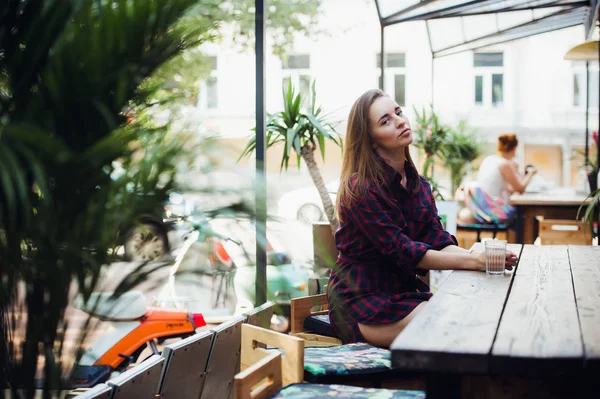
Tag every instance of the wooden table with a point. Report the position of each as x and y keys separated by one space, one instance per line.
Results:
x=554 y=204
x=534 y=332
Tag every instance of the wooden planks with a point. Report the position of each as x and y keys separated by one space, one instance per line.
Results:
x=585 y=267
x=456 y=330
x=539 y=332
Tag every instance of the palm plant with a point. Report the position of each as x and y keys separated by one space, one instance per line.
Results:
x=301 y=132
x=591 y=213
x=69 y=69
x=459 y=150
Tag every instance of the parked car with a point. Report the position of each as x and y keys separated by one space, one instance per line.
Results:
x=305 y=204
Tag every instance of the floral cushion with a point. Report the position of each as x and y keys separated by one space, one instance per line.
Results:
x=311 y=391
x=359 y=358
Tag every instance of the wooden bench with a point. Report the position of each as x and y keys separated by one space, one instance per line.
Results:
x=482 y=227
x=304 y=308
x=140 y=381
x=357 y=364
x=184 y=372
x=223 y=360
x=264 y=380
x=98 y=391
x=260 y=315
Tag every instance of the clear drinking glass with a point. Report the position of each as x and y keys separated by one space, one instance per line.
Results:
x=495 y=256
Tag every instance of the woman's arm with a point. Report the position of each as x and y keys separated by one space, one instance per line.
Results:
x=450 y=259
x=455 y=250
x=456 y=258
x=512 y=177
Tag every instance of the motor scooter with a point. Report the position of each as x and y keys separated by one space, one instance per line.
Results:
x=134 y=327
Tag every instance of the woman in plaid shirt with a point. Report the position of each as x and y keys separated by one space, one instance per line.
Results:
x=389 y=229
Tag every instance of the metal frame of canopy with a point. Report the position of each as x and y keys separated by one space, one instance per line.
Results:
x=546 y=16
x=551 y=15
x=260 y=186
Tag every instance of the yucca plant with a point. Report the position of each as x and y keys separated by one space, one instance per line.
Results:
x=301 y=132
x=69 y=69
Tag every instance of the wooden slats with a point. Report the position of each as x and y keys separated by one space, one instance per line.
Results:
x=585 y=267
x=539 y=332
x=456 y=331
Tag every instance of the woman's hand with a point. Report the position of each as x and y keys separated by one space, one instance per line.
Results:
x=479 y=260
x=511 y=260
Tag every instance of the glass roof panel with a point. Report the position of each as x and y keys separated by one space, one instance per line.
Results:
x=479 y=25
x=438 y=31
x=459 y=25
x=508 y=20
x=563 y=20
x=389 y=7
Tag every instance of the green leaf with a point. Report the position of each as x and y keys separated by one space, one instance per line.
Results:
x=322 y=146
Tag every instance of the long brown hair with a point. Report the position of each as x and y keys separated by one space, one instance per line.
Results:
x=361 y=165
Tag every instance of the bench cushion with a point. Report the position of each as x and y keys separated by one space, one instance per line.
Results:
x=349 y=359
x=311 y=391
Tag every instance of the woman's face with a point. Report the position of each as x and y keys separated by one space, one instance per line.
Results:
x=390 y=128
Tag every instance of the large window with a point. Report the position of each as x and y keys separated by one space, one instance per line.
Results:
x=489 y=79
x=209 y=94
x=578 y=85
x=297 y=69
x=395 y=76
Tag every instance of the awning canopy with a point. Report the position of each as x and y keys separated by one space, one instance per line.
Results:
x=460 y=25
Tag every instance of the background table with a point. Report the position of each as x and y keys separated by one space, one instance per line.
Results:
x=553 y=204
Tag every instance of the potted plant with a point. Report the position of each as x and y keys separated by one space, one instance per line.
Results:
x=430 y=137
x=459 y=150
x=302 y=132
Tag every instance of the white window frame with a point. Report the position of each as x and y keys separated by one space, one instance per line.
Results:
x=203 y=97
x=486 y=72
x=390 y=78
x=296 y=74
x=578 y=71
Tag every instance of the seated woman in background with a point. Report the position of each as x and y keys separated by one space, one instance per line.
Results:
x=498 y=174
x=389 y=229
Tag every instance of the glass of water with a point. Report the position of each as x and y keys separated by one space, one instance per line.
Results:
x=495 y=256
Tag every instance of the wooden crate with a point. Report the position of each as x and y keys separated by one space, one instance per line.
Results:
x=559 y=231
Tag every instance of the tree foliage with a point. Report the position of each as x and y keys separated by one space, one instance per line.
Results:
x=69 y=71
x=222 y=21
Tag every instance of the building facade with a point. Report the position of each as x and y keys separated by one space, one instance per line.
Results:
x=523 y=86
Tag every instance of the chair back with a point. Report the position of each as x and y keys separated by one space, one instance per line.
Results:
x=140 y=381
x=260 y=315
x=557 y=232
x=223 y=360
x=184 y=372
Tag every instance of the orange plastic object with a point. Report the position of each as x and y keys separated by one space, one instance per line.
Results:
x=156 y=323
x=222 y=254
